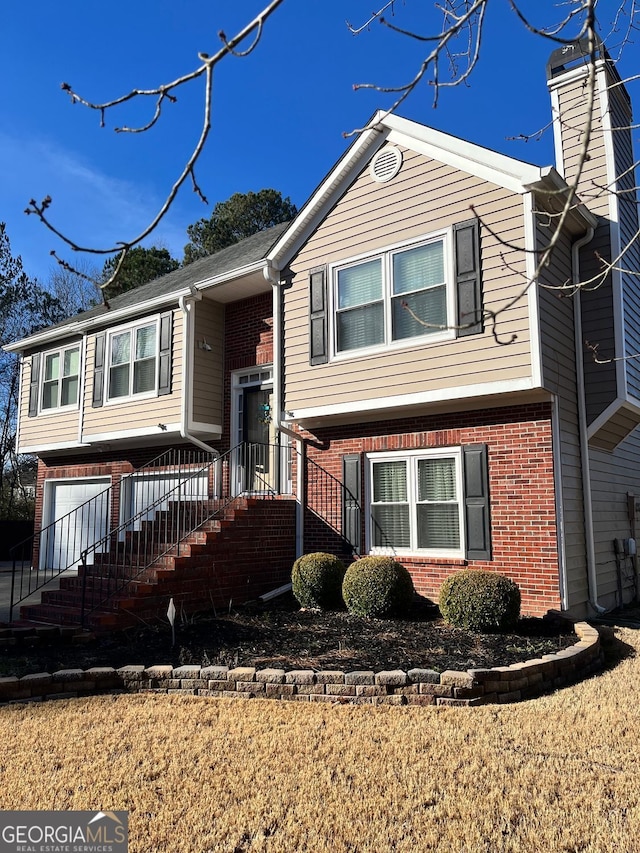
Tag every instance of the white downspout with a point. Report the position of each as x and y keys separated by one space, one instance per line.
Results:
x=81 y=390
x=592 y=573
x=273 y=277
x=186 y=304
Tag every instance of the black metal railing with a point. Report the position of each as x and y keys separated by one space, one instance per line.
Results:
x=54 y=549
x=168 y=500
x=333 y=514
x=164 y=522
x=57 y=547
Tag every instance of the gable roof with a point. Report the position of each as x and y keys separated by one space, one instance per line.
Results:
x=512 y=174
x=166 y=290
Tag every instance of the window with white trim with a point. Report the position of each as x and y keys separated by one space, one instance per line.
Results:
x=133 y=361
x=394 y=296
x=60 y=378
x=416 y=503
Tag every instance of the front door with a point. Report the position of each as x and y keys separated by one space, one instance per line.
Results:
x=259 y=461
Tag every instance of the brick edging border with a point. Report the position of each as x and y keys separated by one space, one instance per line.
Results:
x=500 y=684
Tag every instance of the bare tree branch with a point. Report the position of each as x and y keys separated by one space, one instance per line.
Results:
x=162 y=93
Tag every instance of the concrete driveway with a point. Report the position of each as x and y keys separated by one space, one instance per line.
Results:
x=5 y=591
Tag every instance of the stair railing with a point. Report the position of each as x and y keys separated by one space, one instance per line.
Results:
x=57 y=547
x=161 y=525
x=54 y=554
x=333 y=513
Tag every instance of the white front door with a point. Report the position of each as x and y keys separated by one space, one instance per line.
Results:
x=81 y=511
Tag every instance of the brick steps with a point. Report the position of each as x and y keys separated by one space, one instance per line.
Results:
x=229 y=558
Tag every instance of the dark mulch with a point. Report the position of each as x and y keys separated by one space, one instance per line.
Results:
x=281 y=635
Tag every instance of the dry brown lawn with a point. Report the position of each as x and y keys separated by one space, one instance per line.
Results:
x=561 y=773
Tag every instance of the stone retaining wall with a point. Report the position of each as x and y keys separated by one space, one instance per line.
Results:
x=500 y=684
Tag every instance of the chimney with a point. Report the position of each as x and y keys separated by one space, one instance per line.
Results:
x=606 y=185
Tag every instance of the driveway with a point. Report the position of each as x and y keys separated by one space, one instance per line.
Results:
x=6 y=568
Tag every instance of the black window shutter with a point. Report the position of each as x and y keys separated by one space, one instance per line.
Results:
x=98 y=371
x=318 y=338
x=476 y=502
x=34 y=385
x=466 y=236
x=166 y=347
x=352 y=500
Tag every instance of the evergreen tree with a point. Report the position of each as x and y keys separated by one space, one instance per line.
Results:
x=238 y=217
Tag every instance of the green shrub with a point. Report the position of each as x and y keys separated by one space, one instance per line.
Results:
x=377 y=586
x=316 y=580
x=480 y=601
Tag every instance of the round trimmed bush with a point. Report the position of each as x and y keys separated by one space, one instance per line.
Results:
x=480 y=601
x=377 y=586
x=316 y=580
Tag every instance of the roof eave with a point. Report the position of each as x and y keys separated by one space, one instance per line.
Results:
x=500 y=169
x=230 y=275
x=551 y=181
x=373 y=135
x=79 y=327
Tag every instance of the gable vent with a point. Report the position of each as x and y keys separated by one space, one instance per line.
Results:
x=386 y=164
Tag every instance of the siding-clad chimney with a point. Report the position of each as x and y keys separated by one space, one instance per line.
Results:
x=606 y=185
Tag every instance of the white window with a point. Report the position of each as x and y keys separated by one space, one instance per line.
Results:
x=415 y=503
x=400 y=294
x=133 y=361
x=60 y=378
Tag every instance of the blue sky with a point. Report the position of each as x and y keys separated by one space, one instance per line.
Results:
x=279 y=114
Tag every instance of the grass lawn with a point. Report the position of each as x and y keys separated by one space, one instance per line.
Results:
x=561 y=773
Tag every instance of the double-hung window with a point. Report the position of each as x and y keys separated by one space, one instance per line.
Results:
x=397 y=295
x=60 y=378
x=133 y=360
x=416 y=503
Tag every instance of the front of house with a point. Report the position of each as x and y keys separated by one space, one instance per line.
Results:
x=381 y=375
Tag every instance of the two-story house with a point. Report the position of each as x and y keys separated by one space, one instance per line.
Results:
x=394 y=371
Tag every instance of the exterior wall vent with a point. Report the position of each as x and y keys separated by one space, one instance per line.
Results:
x=386 y=164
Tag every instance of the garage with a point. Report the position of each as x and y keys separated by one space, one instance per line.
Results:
x=80 y=509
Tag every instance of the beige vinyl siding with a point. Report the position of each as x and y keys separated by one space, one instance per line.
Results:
x=621 y=121
x=131 y=414
x=620 y=424
x=207 y=387
x=613 y=475
x=559 y=377
x=424 y=198
x=598 y=326
x=47 y=428
x=573 y=103
x=597 y=304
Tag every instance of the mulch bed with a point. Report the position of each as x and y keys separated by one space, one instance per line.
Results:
x=279 y=634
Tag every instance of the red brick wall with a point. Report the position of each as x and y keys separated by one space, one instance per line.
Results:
x=248 y=341
x=523 y=520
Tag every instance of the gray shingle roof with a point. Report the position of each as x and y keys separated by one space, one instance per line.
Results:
x=248 y=251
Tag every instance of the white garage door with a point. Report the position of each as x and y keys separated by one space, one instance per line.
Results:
x=78 y=523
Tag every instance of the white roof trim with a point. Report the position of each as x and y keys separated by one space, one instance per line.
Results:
x=225 y=277
x=101 y=320
x=514 y=175
x=397 y=401
x=330 y=190
x=459 y=154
